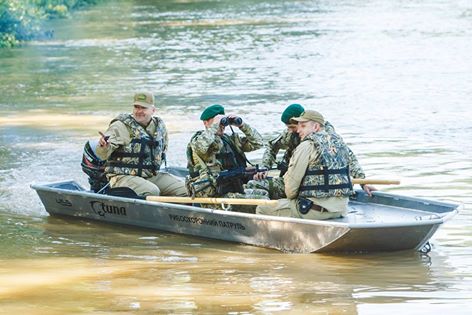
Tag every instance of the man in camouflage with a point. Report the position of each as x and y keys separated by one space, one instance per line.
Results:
x=288 y=140
x=134 y=146
x=318 y=173
x=212 y=151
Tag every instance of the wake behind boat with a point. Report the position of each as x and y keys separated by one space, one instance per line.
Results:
x=383 y=222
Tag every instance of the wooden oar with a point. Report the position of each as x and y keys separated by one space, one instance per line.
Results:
x=129 y=193
x=227 y=201
x=367 y=181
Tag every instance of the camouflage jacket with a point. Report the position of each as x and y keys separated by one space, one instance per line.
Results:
x=136 y=150
x=288 y=141
x=206 y=145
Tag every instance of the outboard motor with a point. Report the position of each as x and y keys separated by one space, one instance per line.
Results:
x=94 y=167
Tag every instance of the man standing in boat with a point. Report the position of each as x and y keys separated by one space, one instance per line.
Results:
x=134 y=147
x=288 y=140
x=317 y=182
x=217 y=161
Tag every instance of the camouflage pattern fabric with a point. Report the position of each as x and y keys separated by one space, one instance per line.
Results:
x=287 y=141
x=274 y=186
x=205 y=145
x=152 y=155
x=249 y=193
x=333 y=155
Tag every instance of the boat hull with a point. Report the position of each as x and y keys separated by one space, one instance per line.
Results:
x=284 y=234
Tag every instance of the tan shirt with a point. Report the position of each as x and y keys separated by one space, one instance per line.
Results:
x=303 y=154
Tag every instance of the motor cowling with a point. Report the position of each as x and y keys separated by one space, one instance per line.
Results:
x=93 y=166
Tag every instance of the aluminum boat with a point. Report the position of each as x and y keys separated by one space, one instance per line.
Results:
x=383 y=222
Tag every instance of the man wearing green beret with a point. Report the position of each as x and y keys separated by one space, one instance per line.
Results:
x=212 y=151
x=288 y=140
x=317 y=181
x=134 y=147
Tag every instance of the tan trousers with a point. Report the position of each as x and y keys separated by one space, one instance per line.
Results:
x=289 y=208
x=162 y=184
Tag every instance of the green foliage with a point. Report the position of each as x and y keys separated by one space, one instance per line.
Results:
x=21 y=20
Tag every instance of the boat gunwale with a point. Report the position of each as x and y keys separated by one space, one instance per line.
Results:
x=85 y=193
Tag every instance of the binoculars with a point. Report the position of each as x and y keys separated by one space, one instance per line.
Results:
x=235 y=121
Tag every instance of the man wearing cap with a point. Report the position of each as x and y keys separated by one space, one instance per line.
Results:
x=134 y=147
x=288 y=140
x=212 y=151
x=317 y=181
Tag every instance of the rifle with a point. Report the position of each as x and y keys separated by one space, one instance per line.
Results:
x=232 y=180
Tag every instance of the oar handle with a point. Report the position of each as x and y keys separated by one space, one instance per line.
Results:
x=227 y=201
x=366 y=181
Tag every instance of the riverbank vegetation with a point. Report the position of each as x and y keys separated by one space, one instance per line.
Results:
x=22 y=20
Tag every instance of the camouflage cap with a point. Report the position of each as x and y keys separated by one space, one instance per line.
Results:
x=293 y=110
x=144 y=99
x=310 y=115
x=212 y=111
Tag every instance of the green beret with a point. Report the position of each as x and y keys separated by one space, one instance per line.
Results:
x=293 y=110
x=212 y=111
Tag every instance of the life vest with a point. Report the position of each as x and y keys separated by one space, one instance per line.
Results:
x=327 y=176
x=143 y=155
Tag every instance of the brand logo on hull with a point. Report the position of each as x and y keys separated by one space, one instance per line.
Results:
x=103 y=209
x=64 y=202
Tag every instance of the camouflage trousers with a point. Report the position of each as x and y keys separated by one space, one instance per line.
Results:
x=249 y=193
x=274 y=186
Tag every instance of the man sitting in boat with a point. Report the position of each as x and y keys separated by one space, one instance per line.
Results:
x=134 y=146
x=216 y=161
x=317 y=181
x=288 y=140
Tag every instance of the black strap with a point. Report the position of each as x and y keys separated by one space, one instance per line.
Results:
x=140 y=165
x=193 y=173
x=326 y=186
x=224 y=155
x=340 y=171
x=130 y=165
x=151 y=143
x=240 y=158
x=119 y=154
x=151 y=140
